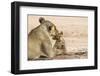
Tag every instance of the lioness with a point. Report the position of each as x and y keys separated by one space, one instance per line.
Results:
x=39 y=43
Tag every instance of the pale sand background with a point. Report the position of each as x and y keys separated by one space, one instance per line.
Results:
x=75 y=30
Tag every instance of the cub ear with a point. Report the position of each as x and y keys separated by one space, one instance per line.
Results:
x=61 y=33
x=41 y=19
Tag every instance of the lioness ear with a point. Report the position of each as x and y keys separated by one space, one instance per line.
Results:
x=41 y=20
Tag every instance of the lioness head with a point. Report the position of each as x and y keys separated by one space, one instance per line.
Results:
x=51 y=28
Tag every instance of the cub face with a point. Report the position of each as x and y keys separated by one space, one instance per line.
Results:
x=57 y=36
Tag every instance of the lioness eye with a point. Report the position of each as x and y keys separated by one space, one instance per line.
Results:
x=49 y=27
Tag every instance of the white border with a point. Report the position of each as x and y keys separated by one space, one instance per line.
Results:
x=26 y=65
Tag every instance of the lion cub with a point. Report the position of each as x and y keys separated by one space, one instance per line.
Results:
x=59 y=46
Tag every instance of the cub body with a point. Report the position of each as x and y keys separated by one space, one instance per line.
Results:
x=59 y=46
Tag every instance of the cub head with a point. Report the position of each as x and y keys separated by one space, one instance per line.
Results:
x=58 y=36
x=50 y=27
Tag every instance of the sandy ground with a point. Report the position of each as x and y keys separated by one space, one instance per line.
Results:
x=70 y=55
x=75 y=30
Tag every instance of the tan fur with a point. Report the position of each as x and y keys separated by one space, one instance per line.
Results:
x=39 y=43
x=59 y=46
